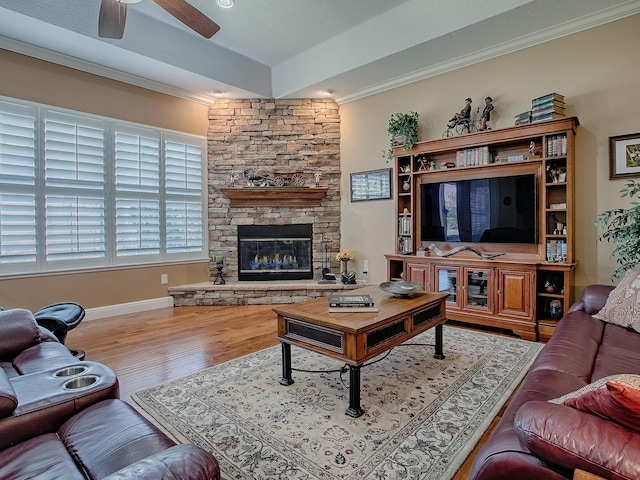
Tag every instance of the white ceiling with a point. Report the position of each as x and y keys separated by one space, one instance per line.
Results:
x=294 y=48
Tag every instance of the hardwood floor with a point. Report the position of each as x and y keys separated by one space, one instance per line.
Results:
x=148 y=348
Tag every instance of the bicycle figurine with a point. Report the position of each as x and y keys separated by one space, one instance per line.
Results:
x=463 y=124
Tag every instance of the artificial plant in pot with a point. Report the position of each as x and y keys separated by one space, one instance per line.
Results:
x=622 y=229
x=402 y=130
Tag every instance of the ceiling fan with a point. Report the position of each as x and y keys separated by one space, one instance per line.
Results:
x=113 y=14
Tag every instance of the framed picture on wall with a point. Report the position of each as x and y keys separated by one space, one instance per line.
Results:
x=624 y=156
x=371 y=185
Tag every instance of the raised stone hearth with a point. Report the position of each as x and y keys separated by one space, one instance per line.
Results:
x=252 y=293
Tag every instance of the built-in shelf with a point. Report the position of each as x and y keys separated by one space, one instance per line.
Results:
x=275 y=196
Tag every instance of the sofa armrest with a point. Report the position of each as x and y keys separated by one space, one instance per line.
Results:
x=570 y=439
x=593 y=298
x=8 y=397
x=178 y=462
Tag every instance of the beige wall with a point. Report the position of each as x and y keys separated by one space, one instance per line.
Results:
x=597 y=71
x=30 y=79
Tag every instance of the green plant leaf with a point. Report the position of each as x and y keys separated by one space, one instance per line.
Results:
x=622 y=229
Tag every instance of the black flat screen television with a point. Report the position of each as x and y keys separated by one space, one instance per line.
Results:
x=491 y=210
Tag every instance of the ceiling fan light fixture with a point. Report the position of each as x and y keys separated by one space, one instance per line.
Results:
x=225 y=3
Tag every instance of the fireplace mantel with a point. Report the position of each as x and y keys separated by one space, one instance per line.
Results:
x=274 y=196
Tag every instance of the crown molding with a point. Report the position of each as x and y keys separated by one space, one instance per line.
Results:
x=553 y=33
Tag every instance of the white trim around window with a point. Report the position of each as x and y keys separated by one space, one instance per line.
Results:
x=81 y=191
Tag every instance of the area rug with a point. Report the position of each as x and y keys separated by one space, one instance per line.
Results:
x=422 y=416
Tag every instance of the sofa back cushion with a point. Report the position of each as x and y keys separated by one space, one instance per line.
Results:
x=8 y=398
x=18 y=331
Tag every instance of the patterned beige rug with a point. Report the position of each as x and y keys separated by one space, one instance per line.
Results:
x=422 y=416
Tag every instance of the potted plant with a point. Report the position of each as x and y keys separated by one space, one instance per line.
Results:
x=402 y=130
x=623 y=230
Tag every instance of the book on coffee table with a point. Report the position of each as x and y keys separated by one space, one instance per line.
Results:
x=343 y=303
x=352 y=309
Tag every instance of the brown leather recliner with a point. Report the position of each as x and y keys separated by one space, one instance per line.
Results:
x=41 y=383
x=60 y=417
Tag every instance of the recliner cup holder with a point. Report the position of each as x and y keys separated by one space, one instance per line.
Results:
x=79 y=383
x=71 y=371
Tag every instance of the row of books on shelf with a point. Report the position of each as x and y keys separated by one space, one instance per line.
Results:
x=404 y=225
x=345 y=303
x=557 y=251
x=471 y=157
x=557 y=146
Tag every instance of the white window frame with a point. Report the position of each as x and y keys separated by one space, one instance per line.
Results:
x=108 y=192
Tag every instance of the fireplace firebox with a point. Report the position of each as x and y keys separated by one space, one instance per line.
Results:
x=275 y=252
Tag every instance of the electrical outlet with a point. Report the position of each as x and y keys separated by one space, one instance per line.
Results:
x=365 y=266
x=164 y=278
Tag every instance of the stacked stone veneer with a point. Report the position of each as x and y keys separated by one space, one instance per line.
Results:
x=272 y=135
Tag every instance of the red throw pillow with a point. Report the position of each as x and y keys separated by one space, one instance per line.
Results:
x=618 y=400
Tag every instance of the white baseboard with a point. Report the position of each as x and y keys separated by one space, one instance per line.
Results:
x=126 y=308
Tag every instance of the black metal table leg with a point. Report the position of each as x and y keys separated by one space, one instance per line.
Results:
x=286 y=364
x=439 y=343
x=354 y=409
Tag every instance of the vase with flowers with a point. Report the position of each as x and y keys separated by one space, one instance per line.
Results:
x=343 y=257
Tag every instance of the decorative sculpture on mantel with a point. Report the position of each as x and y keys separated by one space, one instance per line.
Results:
x=265 y=179
x=487 y=256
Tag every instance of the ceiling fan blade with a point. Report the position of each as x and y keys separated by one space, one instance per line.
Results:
x=190 y=16
x=111 y=20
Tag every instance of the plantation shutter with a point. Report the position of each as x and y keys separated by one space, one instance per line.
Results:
x=183 y=197
x=74 y=152
x=137 y=177
x=18 y=237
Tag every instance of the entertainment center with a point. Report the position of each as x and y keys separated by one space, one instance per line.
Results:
x=488 y=217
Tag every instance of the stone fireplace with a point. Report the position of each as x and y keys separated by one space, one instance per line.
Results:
x=272 y=136
x=275 y=252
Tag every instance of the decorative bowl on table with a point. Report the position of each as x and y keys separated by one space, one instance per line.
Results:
x=400 y=288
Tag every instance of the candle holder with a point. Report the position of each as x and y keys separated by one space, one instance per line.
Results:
x=219 y=266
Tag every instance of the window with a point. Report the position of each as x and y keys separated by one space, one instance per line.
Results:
x=80 y=191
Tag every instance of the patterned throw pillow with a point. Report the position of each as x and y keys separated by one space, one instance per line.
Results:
x=615 y=398
x=623 y=304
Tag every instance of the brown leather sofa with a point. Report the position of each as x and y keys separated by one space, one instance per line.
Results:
x=108 y=440
x=538 y=440
x=60 y=417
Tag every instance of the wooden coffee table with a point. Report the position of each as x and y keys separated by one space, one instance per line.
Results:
x=354 y=337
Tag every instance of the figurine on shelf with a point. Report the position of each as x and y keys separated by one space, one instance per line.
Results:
x=555 y=309
x=549 y=287
x=464 y=113
x=486 y=114
x=532 y=149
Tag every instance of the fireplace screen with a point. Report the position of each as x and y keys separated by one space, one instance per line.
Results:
x=274 y=252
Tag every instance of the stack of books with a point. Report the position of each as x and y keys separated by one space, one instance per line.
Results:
x=523 y=118
x=547 y=107
x=346 y=303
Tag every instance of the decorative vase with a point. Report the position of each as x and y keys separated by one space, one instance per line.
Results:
x=344 y=266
